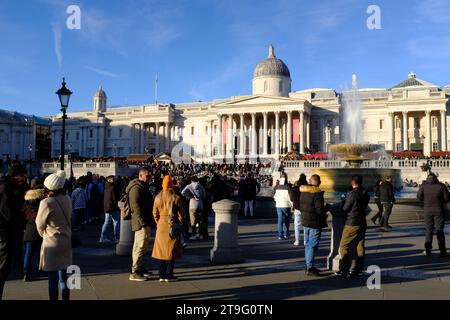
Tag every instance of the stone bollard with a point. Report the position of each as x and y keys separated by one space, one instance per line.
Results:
x=226 y=249
x=125 y=245
x=337 y=227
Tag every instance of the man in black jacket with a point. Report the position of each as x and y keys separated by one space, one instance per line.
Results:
x=312 y=207
x=355 y=228
x=434 y=195
x=111 y=197
x=141 y=206
x=12 y=222
x=387 y=199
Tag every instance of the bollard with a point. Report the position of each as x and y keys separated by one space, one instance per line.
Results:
x=337 y=227
x=226 y=249
x=125 y=245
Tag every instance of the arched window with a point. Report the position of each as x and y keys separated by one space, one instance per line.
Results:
x=265 y=86
x=280 y=86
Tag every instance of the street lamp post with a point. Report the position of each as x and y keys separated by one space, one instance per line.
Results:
x=64 y=97
x=30 y=149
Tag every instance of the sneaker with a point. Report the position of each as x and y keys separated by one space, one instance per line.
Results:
x=137 y=277
x=296 y=243
x=313 y=272
x=281 y=238
x=427 y=253
x=146 y=273
x=161 y=280
x=341 y=274
x=193 y=238
x=185 y=245
x=388 y=227
x=104 y=240
x=171 y=279
x=200 y=237
x=356 y=273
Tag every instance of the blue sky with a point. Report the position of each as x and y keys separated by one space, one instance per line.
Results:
x=208 y=49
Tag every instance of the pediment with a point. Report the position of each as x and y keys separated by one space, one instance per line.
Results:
x=259 y=100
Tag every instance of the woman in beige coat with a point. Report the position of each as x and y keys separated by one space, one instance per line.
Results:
x=167 y=210
x=54 y=226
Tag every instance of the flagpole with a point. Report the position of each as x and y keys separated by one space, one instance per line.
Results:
x=156 y=89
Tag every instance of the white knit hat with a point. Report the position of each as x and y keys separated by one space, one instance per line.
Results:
x=55 y=181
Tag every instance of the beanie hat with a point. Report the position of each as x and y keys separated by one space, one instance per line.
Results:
x=167 y=183
x=16 y=170
x=55 y=181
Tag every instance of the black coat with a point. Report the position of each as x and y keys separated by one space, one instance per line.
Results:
x=312 y=207
x=12 y=220
x=434 y=195
x=294 y=195
x=387 y=192
x=111 y=197
x=250 y=188
x=355 y=207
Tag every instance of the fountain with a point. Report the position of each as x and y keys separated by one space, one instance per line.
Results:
x=354 y=152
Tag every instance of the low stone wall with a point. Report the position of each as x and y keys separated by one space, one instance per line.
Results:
x=81 y=168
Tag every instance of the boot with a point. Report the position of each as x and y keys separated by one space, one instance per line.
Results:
x=428 y=249
x=26 y=275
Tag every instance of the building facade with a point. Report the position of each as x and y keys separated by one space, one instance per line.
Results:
x=24 y=137
x=273 y=121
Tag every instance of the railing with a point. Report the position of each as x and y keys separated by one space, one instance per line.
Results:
x=394 y=164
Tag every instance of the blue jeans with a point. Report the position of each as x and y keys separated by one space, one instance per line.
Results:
x=77 y=217
x=53 y=278
x=31 y=248
x=312 y=240
x=284 y=217
x=111 y=219
x=298 y=225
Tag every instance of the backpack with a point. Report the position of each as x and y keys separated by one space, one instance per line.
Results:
x=95 y=193
x=124 y=206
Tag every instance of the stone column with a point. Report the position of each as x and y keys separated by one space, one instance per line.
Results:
x=391 y=123
x=443 y=130
x=277 y=134
x=226 y=249
x=219 y=137
x=142 y=144
x=125 y=245
x=405 y=130
x=230 y=136
x=211 y=138
x=289 y=131
x=308 y=131
x=302 y=130
x=428 y=133
x=157 y=149
x=265 y=132
x=167 y=136
x=253 y=153
x=241 y=136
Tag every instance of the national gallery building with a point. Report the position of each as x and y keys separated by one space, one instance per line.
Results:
x=274 y=120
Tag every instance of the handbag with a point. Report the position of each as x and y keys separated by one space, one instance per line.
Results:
x=174 y=228
x=75 y=240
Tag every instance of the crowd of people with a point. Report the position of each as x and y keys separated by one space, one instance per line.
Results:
x=46 y=214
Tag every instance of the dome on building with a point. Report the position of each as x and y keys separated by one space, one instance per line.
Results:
x=272 y=66
x=100 y=93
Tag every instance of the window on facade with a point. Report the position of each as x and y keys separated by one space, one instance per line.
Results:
x=280 y=86
x=435 y=146
x=78 y=136
x=192 y=130
x=108 y=133
x=120 y=133
x=416 y=123
x=434 y=122
x=398 y=147
x=67 y=136
x=316 y=125
x=265 y=86
x=381 y=124
x=398 y=123
x=91 y=133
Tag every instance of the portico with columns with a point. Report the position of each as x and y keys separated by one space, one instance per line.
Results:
x=262 y=127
